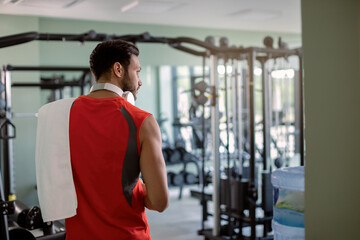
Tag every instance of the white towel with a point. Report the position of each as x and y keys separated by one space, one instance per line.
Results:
x=55 y=185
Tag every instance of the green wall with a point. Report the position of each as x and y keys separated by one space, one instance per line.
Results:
x=23 y=101
x=332 y=83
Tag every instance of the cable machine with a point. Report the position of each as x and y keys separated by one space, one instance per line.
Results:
x=235 y=191
x=242 y=192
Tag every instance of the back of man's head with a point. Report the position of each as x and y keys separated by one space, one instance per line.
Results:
x=109 y=52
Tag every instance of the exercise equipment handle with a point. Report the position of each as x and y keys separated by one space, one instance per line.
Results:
x=5 y=134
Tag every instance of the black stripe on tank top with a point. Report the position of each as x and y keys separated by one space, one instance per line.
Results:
x=131 y=165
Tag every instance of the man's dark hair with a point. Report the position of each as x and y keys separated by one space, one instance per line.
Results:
x=107 y=53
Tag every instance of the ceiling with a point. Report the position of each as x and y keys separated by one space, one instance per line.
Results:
x=255 y=15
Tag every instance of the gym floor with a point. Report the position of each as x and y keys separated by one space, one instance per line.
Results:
x=180 y=221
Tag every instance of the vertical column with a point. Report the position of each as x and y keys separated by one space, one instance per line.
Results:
x=252 y=187
x=237 y=111
x=8 y=130
x=215 y=143
x=266 y=116
x=266 y=190
x=155 y=73
x=174 y=100
x=4 y=234
x=300 y=113
x=203 y=155
x=229 y=169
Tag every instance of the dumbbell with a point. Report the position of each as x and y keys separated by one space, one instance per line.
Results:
x=180 y=154
x=167 y=152
x=29 y=218
x=175 y=179
x=190 y=178
x=185 y=155
x=175 y=156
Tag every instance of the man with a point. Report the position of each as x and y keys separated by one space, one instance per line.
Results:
x=111 y=143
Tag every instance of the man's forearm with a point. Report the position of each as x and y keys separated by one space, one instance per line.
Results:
x=147 y=201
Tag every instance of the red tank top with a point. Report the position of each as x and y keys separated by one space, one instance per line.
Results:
x=105 y=153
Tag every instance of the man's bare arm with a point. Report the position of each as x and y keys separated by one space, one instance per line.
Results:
x=152 y=166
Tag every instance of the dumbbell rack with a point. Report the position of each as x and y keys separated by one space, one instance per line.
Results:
x=179 y=156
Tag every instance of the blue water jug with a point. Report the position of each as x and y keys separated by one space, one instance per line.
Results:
x=288 y=219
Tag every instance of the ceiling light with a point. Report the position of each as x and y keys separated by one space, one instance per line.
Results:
x=11 y=1
x=129 y=6
x=43 y=3
x=149 y=7
x=257 y=14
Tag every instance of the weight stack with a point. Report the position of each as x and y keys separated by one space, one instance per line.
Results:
x=239 y=192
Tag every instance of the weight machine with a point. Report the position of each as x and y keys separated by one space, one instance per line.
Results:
x=233 y=189
x=251 y=188
x=23 y=219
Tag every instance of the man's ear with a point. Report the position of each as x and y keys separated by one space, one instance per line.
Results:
x=118 y=70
